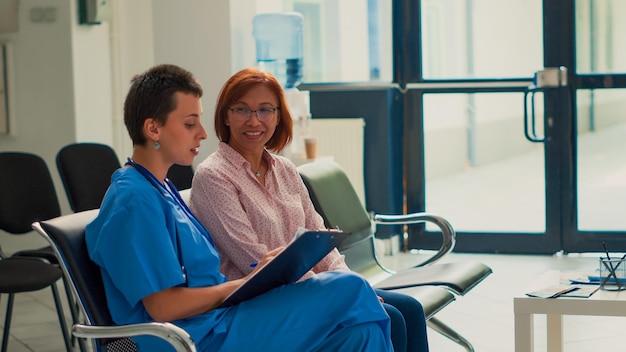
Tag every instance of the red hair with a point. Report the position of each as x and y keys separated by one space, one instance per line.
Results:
x=239 y=85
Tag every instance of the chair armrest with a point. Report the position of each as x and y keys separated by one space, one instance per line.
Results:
x=175 y=336
x=448 y=235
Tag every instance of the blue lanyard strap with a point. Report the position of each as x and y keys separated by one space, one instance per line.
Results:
x=169 y=187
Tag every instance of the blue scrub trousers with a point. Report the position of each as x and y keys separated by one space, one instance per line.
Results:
x=331 y=311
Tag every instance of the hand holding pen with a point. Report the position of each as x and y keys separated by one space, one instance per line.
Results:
x=267 y=257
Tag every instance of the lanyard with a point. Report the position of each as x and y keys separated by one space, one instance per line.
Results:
x=173 y=192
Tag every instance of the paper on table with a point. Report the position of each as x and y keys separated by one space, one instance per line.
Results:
x=552 y=291
x=582 y=291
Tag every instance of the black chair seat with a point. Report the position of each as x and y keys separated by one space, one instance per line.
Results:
x=460 y=277
x=25 y=275
x=45 y=252
x=433 y=299
x=28 y=195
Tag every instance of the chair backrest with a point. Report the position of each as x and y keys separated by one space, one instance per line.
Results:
x=66 y=235
x=85 y=170
x=336 y=200
x=28 y=192
x=180 y=176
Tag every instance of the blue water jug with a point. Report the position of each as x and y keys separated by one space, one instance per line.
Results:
x=278 y=38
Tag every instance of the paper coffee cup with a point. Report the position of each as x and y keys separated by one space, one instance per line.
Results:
x=310 y=146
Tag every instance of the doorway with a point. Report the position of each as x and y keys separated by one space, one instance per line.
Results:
x=465 y=153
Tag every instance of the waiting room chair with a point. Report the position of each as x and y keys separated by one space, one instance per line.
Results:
x=336 y=200
x=24 y=274
x=27 y=195
x=66 y=235
x=180 y=176
x=432 y=298
x=85 y=170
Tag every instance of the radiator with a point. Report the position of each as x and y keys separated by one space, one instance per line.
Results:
x=342 y=139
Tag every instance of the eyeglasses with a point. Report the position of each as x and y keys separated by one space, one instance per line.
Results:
x=263 y=114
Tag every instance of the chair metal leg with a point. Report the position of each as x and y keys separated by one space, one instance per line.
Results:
x=448 y=332
x=7 y=322
x=61 y=315
x=73 y=308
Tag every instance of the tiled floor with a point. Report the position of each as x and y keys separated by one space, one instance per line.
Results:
x=484 y=316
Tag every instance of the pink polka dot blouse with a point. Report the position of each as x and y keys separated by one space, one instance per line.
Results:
x=247 y=219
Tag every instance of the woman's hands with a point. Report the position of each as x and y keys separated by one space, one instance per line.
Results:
x=267 y=258
x=183 y=302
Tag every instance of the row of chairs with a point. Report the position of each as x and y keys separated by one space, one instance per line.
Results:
x=86 y=169
x=28 y=195
x=434 y=285
x=334 y=198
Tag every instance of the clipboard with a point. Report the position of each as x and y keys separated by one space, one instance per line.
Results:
x=302 y=254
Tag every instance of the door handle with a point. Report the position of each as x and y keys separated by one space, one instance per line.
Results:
x=550 y=77
x=530 y=131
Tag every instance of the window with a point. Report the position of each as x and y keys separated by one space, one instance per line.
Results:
x=343 y=41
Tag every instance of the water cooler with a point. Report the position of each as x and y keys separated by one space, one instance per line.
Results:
x=279 y=50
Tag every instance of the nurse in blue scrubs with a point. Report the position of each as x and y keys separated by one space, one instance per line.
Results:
x=159 y=264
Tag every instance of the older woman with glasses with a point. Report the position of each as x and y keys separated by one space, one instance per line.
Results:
x=253 y=201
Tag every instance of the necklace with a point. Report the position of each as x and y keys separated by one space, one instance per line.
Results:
x=257 y=172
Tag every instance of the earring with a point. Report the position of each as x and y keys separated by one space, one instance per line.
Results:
x=156 y=145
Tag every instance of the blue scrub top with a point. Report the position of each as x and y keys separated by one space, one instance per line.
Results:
x=135 y=240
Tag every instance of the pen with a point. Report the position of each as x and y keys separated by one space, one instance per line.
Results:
x=610 y=267
x=252 y=265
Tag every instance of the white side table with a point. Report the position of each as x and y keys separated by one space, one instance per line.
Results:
x=601 y=303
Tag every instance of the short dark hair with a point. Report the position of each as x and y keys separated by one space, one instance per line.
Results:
x=152 y=94
x=236 y=87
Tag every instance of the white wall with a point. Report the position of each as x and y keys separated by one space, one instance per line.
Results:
x=61 y=82
x=196 y=37
x=91 y=57
x=149 y=32
x=132 y=51
x=71 y=79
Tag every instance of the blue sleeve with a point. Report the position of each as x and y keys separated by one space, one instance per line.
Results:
x=135 y=246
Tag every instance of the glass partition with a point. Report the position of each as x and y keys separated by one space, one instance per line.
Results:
x=480 y=170
x=601 y=159
x=481 y=38
x=600 y=36
x=343 y=41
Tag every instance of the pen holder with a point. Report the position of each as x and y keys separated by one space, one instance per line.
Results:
x=612 y=274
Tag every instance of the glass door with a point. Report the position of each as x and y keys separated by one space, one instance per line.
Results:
x=466 y=151
x=599 y=161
